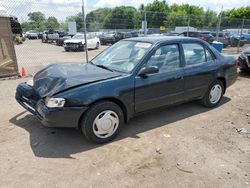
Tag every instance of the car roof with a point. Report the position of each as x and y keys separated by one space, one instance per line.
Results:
x=160 y=39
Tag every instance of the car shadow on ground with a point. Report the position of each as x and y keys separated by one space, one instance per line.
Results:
x=62 y=142
x=245 y=74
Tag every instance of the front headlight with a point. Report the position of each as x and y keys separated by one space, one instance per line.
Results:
x=30 y=83
x=54 y=102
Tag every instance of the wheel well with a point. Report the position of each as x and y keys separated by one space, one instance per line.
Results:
x=223 y=80
x=114 y=100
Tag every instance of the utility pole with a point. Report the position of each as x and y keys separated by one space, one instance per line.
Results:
x=218 y=25
x=85 y=32
x=145 y=23
x=188 y=25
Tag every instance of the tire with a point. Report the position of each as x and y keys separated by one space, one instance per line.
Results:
x=97 y=45
x=97 y=112
x=218 y=90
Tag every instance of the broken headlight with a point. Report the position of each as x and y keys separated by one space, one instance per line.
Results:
x=54 y=102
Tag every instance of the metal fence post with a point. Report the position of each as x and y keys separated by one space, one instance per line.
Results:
x=145 y=23
x=85 y=32
x=188 y=25
x=218 y=24
x=241 y=32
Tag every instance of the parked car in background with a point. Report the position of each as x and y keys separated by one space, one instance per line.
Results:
x=50 y=36
x=132 y=76
x=107 y=38
x=61 y=33
x=111 y=38
x=236 y=40
x=194 y=34
x=32 y=34
x=40 y=35
x=60 y=41
x=207 y=36
x=77 y=42
x=222 y=37
x=244 y=60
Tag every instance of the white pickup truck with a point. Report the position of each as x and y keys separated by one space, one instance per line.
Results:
x=49 y=36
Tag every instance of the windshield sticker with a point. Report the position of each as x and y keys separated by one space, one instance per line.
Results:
x=142 y=45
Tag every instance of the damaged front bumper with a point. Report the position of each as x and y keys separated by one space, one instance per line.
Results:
x=27 y=97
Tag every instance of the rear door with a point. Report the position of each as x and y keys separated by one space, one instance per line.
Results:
x=165 y=87
x=200 y=69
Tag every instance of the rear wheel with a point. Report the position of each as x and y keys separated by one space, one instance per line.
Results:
x=102 y=122
x=214 y=94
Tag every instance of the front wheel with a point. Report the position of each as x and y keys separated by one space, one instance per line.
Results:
x=214 y=94
x=102 y=122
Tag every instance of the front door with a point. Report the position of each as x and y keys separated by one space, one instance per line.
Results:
x=165 y=87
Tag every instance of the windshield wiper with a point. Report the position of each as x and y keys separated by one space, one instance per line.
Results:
x=104 y=67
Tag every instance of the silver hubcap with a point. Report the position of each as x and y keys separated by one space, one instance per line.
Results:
x=105 y=124
x=215 y=94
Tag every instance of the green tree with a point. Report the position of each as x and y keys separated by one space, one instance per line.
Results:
x=52 y=23
x=95 y=20
x=36 y=16
x=123 y=17
x=37 y=21
x=156 y=13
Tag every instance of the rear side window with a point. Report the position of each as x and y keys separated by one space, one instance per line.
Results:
x=194 y=53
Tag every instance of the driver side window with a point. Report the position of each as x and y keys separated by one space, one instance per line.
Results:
x=166 y=58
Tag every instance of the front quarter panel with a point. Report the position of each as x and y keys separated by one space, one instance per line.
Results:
x=120 y=88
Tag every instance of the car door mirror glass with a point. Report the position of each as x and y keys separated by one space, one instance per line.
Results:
x=148 y=70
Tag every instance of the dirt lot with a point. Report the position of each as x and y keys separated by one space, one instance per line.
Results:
x=183 y=146
x=34 y=55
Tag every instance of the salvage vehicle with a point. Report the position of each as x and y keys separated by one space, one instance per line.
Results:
x=60 y=41
x=222 y=37
x=244 y=60
x=50 y=36
x=130 y=77
x=236 y=40
x=77 y=42
x=32 y=34
x=110 y=38
x=207 y=36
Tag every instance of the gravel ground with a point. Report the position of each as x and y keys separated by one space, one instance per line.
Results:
x=183 y=146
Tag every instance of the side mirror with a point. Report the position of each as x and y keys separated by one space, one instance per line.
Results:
x=148 y=70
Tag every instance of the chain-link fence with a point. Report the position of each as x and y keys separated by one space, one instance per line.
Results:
x=46 y=29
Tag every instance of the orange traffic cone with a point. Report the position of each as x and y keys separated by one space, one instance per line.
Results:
x=24 y=72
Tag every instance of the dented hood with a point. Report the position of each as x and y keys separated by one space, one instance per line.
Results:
x=59 y=77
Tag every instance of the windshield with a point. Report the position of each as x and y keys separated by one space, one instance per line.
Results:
x=122 y=56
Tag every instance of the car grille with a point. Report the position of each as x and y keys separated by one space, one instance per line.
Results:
x=72 y=45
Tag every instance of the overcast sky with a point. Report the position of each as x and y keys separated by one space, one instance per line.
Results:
x=63 y=8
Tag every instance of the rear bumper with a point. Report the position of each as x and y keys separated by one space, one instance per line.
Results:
x=50 y=117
